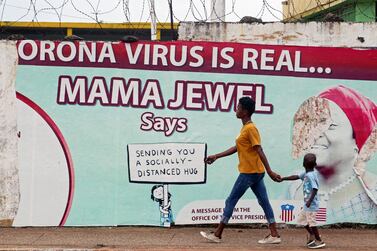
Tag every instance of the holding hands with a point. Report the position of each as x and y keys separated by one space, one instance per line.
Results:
x=274 y=176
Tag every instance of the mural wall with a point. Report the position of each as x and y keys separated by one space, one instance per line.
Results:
x=116 y=133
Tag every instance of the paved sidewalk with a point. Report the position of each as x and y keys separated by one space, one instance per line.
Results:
x=175 y=238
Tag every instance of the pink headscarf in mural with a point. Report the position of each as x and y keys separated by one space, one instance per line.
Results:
x=360 y=111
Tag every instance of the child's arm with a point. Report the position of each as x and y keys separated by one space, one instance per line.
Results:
x=312 y=195
x=292 y=177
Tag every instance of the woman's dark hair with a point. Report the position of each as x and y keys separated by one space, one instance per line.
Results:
x=248 y=104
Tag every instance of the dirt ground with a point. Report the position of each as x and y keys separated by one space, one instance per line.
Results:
x=176 y=238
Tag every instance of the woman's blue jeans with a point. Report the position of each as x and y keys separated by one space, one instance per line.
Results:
x=243 y=182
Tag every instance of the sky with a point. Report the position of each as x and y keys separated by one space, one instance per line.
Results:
x=120 y=11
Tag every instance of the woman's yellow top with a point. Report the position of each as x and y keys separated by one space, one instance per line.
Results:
x=249 y=160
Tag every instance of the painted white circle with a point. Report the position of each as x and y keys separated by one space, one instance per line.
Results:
x=43 y=171
x=319 y=69
x=328 y=70
x=312 y=69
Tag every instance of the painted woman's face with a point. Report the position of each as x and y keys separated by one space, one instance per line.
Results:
x=336 y=146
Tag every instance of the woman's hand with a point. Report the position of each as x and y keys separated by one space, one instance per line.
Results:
x=274 y=176
x=210 y=159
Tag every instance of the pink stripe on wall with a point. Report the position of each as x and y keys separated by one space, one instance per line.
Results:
x=317 y=62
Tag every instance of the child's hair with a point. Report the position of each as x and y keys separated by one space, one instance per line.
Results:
x=309 y=160
x=248 y=104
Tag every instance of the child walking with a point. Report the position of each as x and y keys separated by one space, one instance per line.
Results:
x=307 y=217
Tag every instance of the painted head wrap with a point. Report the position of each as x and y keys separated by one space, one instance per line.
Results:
x=360 y=111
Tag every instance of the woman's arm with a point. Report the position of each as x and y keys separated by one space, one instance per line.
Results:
x=212 y=158
x=274 y=176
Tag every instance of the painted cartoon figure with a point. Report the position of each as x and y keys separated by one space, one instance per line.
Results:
x=160 y=194
x=339 y=126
